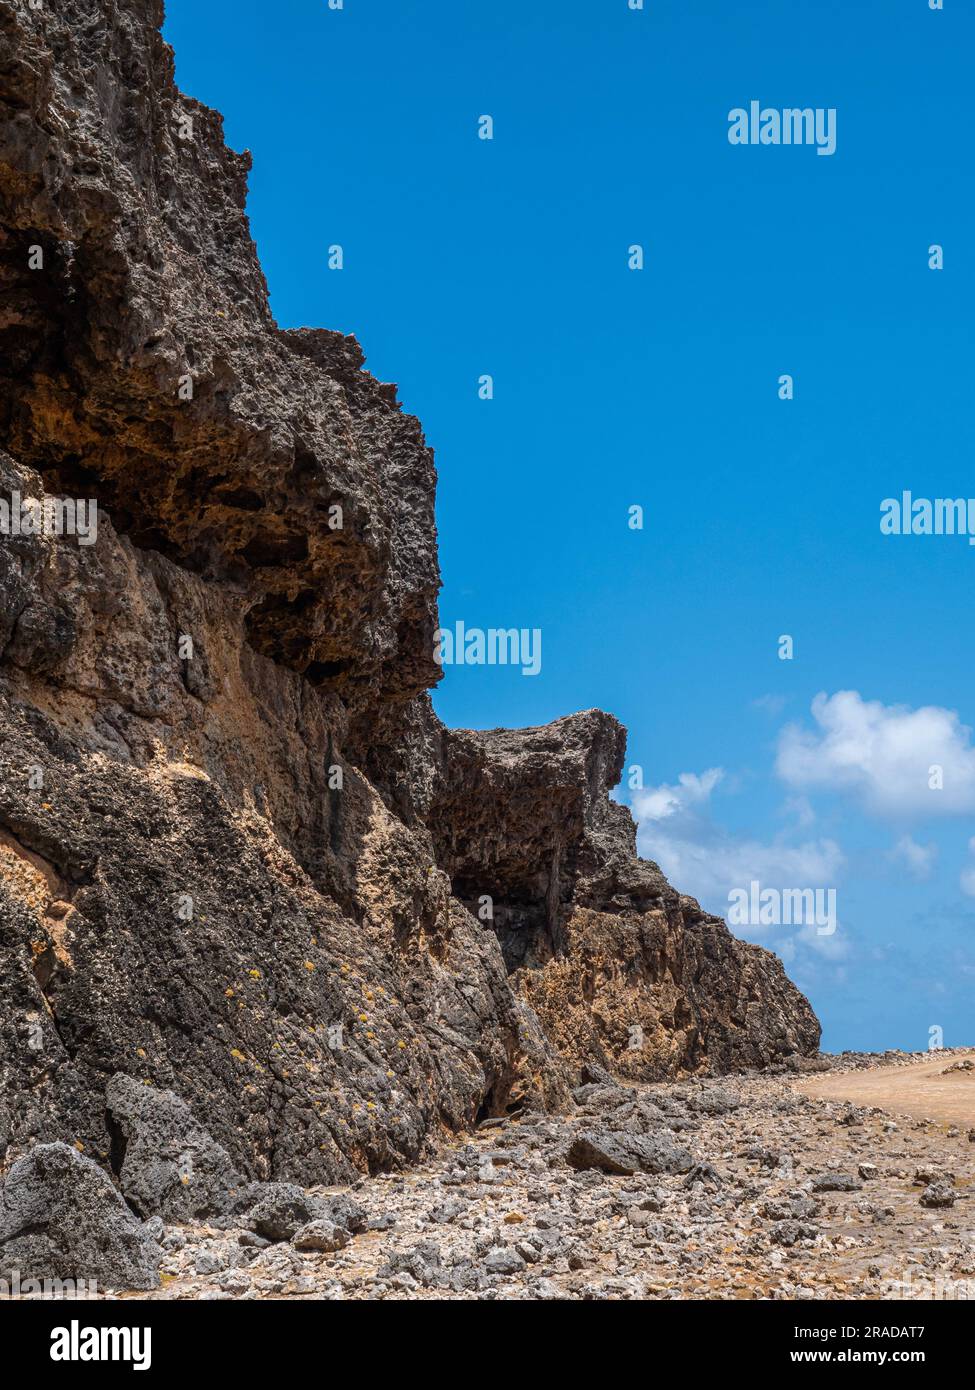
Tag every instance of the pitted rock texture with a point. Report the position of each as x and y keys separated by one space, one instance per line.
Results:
x=187 y=900
x=240 y=858
x=150 y=281
x=61 y=1218
x=167 y=1164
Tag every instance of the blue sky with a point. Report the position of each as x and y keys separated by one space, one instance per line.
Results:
x=660 y=388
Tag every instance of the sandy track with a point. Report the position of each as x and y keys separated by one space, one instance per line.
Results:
x=920 y=1090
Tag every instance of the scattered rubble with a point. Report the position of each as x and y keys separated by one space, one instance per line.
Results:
x=774 y=1196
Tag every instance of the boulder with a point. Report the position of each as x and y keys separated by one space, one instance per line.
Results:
x=61 y=1218
x=626 y=1154
x=836 y=1182
x=168 y=1164
x=282 y=1209
x=320 y=1236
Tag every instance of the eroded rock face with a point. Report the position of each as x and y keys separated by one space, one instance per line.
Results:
x=149 y=282
x=620 y=968
x=240 y=858
x=187 y=900
x=167 y=1163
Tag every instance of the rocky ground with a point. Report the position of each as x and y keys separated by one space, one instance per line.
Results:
x=756 y=1190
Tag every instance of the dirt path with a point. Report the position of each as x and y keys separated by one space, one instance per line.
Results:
x=920 y=1090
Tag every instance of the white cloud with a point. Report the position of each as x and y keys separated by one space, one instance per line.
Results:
x=883 y=755
x=658 y=803
x=801 y=808
x=710 y=867
x=704 y=860
x=796 y=947
x=919 y=859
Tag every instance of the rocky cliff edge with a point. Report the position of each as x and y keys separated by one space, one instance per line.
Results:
x=240 y=857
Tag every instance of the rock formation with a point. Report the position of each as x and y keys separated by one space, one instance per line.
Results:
x=60 y=1215
x=240 y=858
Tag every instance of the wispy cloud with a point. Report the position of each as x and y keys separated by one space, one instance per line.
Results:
x=702 y=858
x=772 y=705
x=677 y=830
x=968 y=874
x=800 y=808
x=918 y=859
x=659 y=803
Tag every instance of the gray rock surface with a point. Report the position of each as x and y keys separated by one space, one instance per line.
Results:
x=283 y=1209
x=61 y=1218
x=168 y=1165
x=836 y=1182
x=628 y=1153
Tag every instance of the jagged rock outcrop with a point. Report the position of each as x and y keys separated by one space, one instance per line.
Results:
x=201 y=891
x=620 y=968
x=149 y=287
x=240 y=858
x=61 y=1219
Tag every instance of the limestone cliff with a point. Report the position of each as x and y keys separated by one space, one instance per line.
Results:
x=240 y=858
